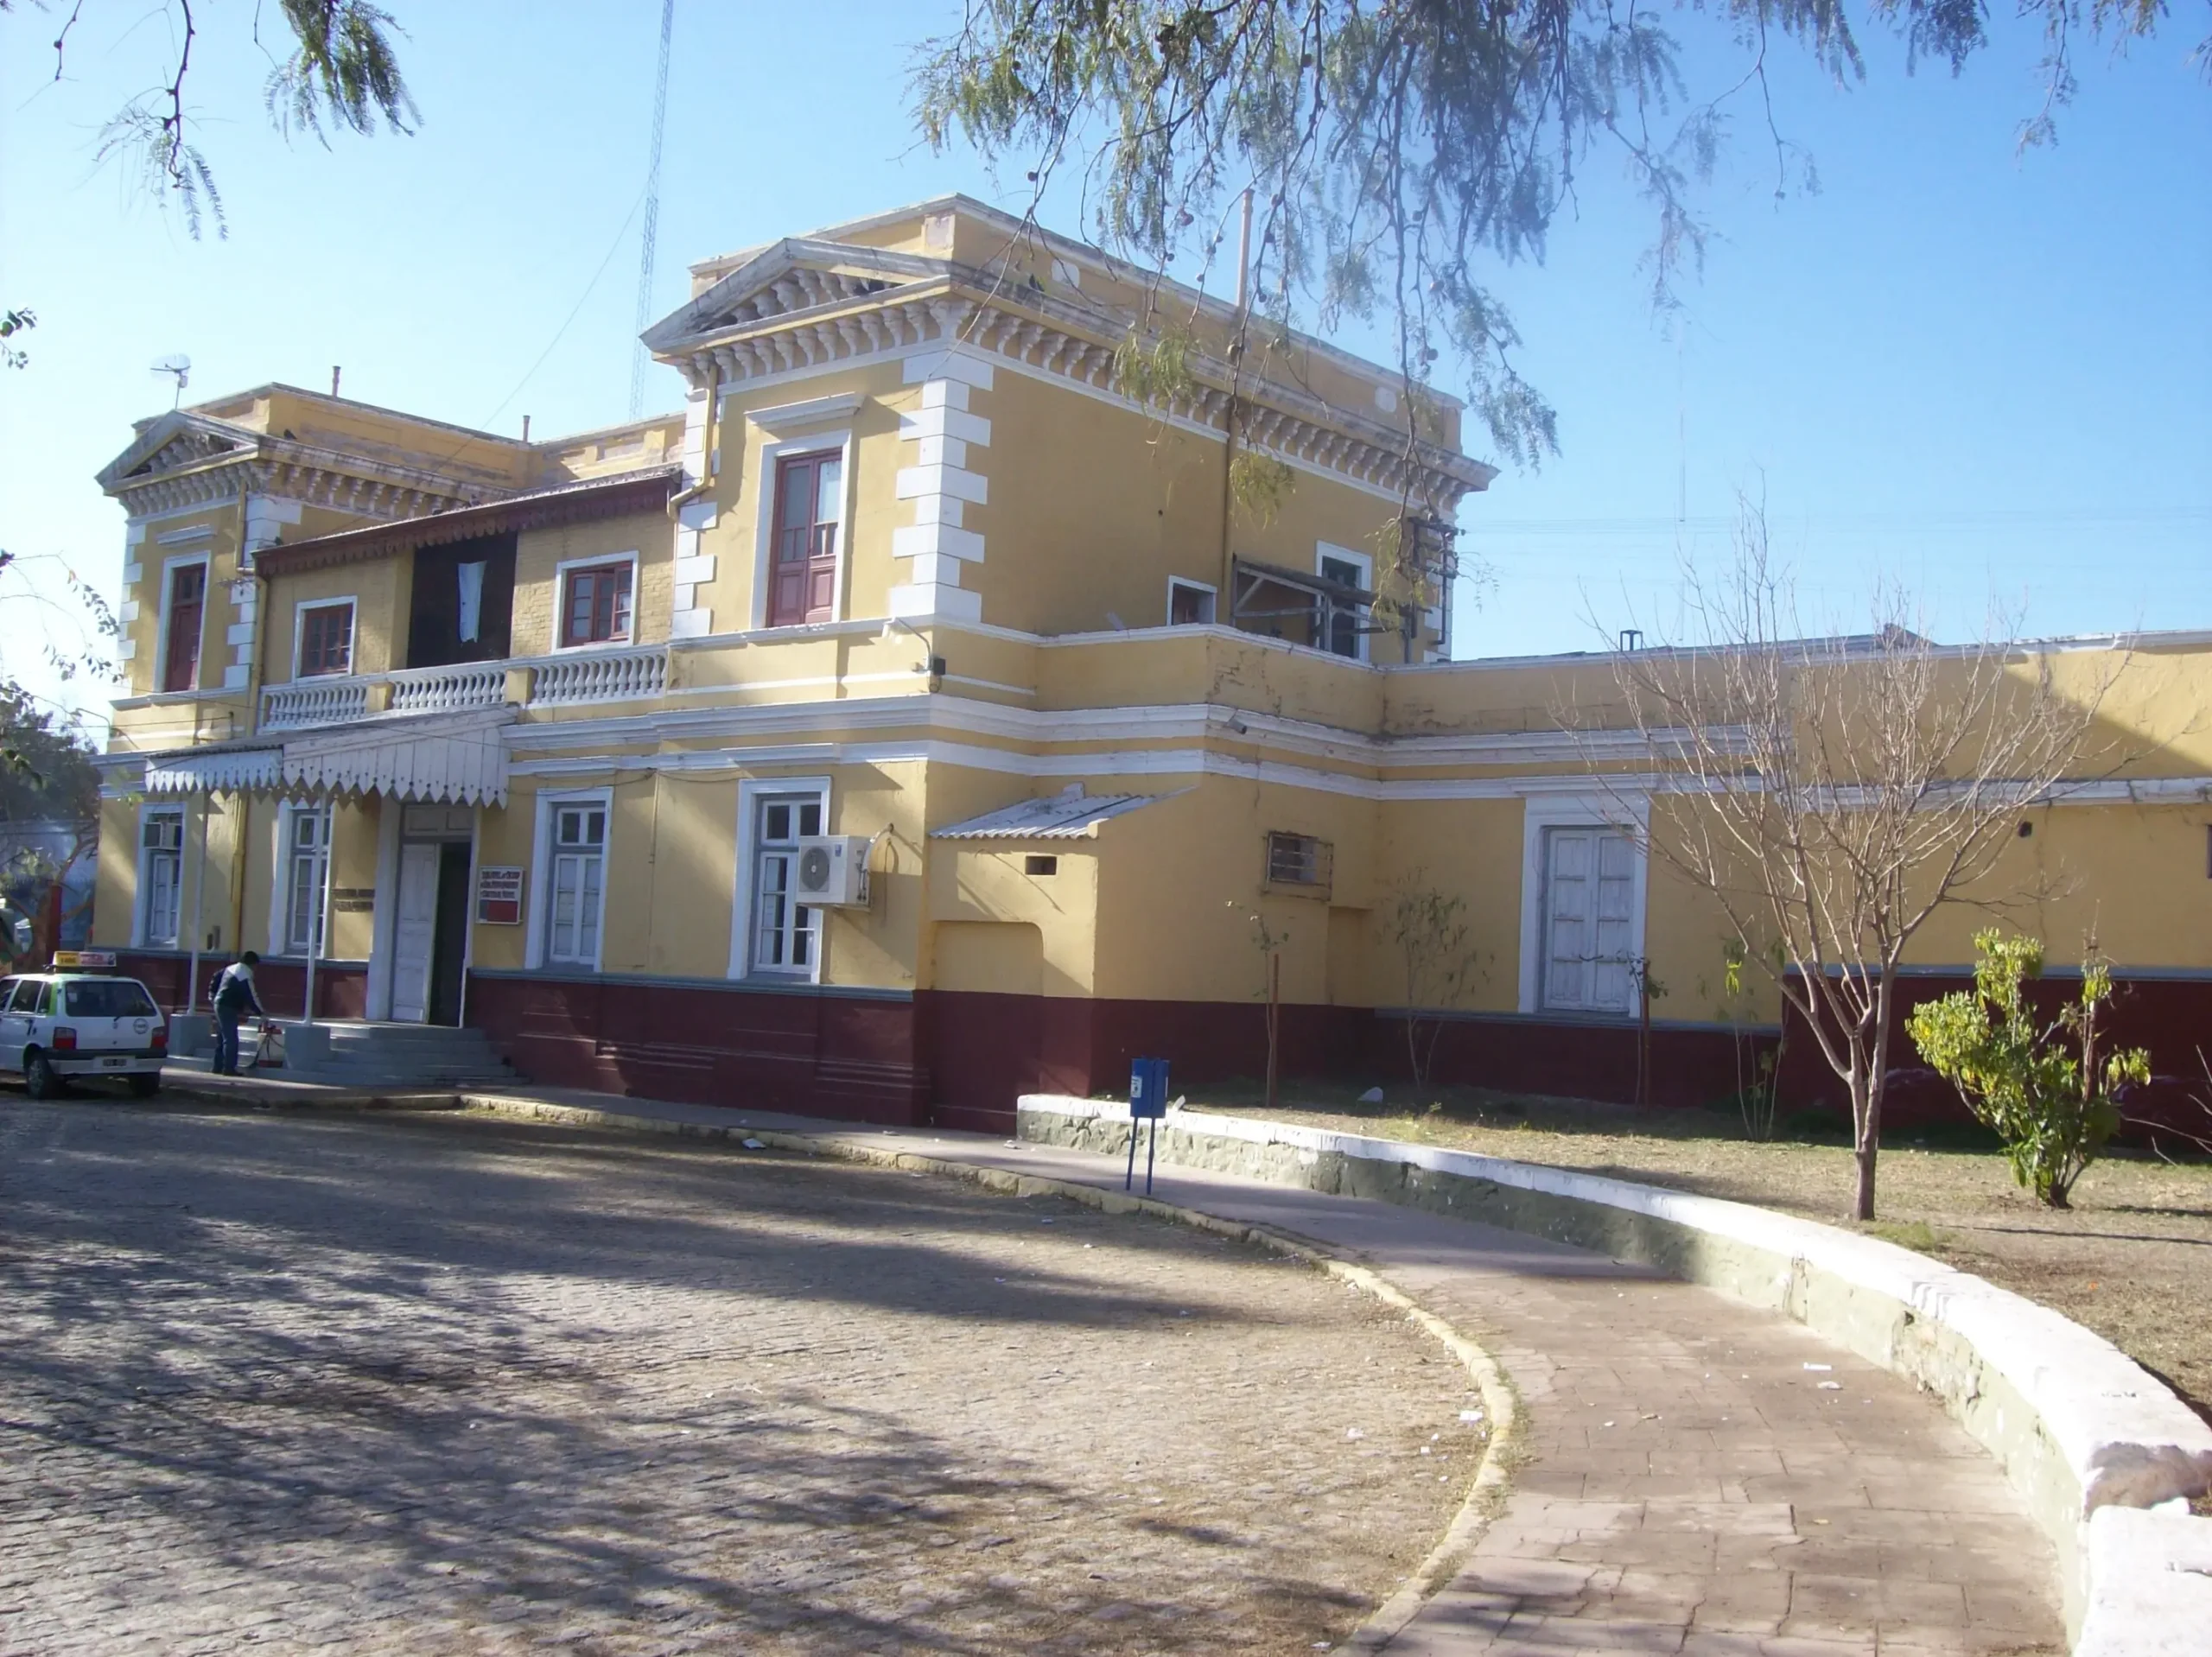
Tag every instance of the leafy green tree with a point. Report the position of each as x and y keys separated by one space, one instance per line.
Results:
x=340 y=73
x=2042 y=1087
x=1397 y=148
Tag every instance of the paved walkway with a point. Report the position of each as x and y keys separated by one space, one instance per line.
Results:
x=1697 y=1478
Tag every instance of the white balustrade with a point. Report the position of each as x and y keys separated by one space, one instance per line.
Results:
x=598 y=675
x=313 y=701
x=438 y=690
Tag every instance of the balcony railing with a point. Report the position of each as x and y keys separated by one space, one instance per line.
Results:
x=313 y=701
x=598 y=675
x=555 y=681
x=439 y=690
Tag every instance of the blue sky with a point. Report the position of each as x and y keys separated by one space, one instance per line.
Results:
x=1984 y=374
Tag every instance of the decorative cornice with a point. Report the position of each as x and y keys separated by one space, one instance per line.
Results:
x=838 y=323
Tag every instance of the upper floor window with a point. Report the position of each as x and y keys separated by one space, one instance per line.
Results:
x=596 y=603
x=186 y=605
x=1189 y=603
x=1339 y=627
x=161 y=876
x=326 y=638
x=1588 y=919
x=809 y=504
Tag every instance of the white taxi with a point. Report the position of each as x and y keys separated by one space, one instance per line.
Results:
x=57 y=1027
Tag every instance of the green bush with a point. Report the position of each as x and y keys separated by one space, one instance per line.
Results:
x=2040 y=1088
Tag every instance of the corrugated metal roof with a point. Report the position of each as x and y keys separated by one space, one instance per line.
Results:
x=1068 y=816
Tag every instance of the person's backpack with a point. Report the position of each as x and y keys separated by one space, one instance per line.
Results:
x=215 y=985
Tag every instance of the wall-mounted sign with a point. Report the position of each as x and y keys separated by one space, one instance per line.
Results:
x=499 y=896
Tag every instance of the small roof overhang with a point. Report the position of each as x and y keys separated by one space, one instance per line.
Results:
x=1068 y=816
x=643 y=491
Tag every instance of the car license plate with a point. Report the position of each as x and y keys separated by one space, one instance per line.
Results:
x=113 y=1063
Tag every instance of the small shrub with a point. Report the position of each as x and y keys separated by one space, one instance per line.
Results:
x=2041 y=1088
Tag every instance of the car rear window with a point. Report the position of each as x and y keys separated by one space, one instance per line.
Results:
x=109 y=998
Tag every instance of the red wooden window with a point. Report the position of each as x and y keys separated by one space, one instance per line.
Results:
x=810 y=493
x=188 y=601
x=326 y=639
x=595 y=607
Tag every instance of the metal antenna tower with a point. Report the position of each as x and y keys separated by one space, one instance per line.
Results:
x=651 y=236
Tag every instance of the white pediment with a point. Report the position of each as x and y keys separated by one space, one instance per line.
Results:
x=791 y=275
x=173 y=442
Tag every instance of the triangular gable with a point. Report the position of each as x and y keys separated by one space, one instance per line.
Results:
x=173 y=441
x=792 y=274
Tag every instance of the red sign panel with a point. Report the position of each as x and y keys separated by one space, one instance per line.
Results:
x=499 y=896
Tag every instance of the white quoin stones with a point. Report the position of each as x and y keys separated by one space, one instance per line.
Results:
x=943 y=482
x=690 y=617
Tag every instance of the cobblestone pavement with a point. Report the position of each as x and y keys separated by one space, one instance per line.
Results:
x=437 y=1386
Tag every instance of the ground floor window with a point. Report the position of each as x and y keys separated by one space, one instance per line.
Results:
x=786 y=934
x=1589 y=898
x=307 y=848
x=578 y=885
x=160 y=877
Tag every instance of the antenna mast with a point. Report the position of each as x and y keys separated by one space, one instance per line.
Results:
x=650 y=237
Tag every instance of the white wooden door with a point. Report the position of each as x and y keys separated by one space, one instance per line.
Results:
x=1590 y=885
x=415 y=933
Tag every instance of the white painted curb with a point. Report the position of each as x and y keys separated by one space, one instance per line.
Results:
x=2149 y=1585
x=2128 y=1440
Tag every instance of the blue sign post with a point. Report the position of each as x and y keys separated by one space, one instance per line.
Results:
x=1147 y=1103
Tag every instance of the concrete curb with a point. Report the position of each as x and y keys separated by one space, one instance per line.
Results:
x=2079 y=1427
x=1485 y=1494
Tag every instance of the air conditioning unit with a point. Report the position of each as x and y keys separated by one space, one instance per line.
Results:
x=833 y=870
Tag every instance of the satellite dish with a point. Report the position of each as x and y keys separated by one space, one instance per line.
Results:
x=179 y=366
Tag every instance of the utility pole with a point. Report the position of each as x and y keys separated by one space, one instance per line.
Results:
x=650 y=237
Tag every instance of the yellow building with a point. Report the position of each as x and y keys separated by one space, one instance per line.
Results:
x=916 y=718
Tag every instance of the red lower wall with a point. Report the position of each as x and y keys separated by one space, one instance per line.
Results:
x=341 y=989
x=2171 y=1017
x=849 y=1057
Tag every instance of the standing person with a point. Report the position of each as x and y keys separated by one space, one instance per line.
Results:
x=234 y=998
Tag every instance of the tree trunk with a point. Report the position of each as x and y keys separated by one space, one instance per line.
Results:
x=1872 y=1077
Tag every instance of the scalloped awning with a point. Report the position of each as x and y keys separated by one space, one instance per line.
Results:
x=449 y=759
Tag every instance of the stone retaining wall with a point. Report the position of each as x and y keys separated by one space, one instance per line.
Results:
x=2078 y=1426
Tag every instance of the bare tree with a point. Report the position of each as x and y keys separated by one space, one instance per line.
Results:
x=1830 y=794
x=1436 y=944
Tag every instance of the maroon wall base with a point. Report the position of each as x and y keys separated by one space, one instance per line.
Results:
x=848 y=1056
x=961 y=1059
x=985 y=1051
x=2171 y=1017
x=341 y=988
x=1690 y=1066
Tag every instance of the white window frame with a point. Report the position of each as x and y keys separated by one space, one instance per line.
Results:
x=142 y=936
x=353 y=634
x=1630 y=816
x=1366 y=583
x=170 y=566
x=560 y=572
x=750 y=792
x=280 y=914
x=771 y=450
x=1213 y=599
x=541 y=877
